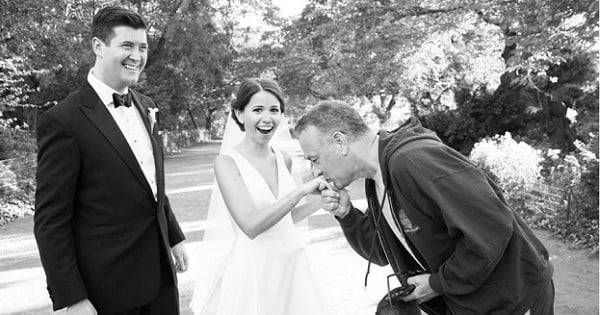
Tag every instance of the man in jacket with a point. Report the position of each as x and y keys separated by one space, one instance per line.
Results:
x=105 y=230
x=433 y=210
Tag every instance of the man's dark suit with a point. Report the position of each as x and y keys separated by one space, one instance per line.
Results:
x=100 y=232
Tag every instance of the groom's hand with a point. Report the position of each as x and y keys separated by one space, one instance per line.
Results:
x=83 y=307
x=181 y=257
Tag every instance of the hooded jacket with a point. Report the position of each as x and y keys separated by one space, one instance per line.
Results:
x=482 y=257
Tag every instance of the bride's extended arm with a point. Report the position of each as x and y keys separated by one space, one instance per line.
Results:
x=304 y=210
x=253 y=221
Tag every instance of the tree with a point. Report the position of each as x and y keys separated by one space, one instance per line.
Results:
x=185 y=46
x=195 y=57
x=369 y=48
x=45 y=36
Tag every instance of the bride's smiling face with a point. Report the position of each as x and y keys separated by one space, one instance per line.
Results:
x=261 y=116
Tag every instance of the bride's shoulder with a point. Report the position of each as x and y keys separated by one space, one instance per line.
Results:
x=224 y=158
x=226 y=166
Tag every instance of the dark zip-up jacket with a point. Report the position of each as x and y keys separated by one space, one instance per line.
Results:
x=482 y=257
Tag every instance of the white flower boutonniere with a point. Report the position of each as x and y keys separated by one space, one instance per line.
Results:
x=153 y=118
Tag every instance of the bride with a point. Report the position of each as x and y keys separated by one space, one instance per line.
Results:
x=266 y=270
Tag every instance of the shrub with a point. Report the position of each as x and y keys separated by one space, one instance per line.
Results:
x=14 y=210
x=17 y=171
x=565 y=197
x=581 y=222
x=515 y=165
x=174 y=141
x=8 y=182
x=14 y=141
x=570 y=210
x=17 y=188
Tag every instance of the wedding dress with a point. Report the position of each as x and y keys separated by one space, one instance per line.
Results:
x=270 y=274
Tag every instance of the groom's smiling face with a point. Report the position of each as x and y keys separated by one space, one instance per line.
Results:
x=122 y=57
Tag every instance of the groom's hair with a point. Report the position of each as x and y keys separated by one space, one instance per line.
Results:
x=333 y=116
x=107 y=18
x=250 y=87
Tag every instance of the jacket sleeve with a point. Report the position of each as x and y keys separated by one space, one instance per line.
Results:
x=57 y=174
x=362 y=236
x=474 y=215
x=175 y=233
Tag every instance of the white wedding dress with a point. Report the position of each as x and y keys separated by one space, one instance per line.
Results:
x=267 y=275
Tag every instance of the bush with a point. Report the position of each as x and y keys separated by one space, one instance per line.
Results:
x=575 y=217
x=17 y=171
x=17 y=186
x=14 y=210
x=515 y=165
x=174 y=141
x=14 y=141
x=465 y=126
x=581 y=224
x=565 y=198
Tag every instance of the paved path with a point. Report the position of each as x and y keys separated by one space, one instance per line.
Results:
x=189 y=177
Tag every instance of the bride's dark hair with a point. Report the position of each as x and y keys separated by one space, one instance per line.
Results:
x=250 y=87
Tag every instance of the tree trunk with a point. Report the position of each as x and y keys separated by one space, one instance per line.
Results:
x=189 y=110
x=208 y=121
x=391 y=104
x=414 y=104
x=162 y=41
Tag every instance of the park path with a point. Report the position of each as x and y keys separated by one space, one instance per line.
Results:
x=189 y=177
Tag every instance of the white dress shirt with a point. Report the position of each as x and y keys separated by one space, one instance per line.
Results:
x=132 y=127
x=387 y=213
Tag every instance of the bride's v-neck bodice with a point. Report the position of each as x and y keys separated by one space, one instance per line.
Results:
x=259 y=190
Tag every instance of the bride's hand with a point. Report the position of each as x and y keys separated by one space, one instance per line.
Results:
x=315 y=185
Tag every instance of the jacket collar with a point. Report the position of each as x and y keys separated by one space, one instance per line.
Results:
x=391 y=141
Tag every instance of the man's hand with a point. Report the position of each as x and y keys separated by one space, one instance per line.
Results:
x=423 y=291
x=181 y=257
x=83 y=307
x=335 y=202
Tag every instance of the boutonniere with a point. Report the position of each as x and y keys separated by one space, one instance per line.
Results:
x=153 y=118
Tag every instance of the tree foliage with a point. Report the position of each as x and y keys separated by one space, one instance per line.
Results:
x=194 y=55
x=468 y=68
x=188 y=69
x=47 y=34
x=424 y=51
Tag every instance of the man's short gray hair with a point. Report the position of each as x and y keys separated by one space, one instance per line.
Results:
x=333 y=116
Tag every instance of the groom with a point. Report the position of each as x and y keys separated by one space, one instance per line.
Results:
x=104 y=227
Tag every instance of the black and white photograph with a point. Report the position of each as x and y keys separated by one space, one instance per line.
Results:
x=299 y=157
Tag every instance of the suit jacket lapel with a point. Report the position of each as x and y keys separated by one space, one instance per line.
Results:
x=93 y=108
x=143 y=110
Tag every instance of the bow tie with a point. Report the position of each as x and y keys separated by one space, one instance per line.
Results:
x=122 y=100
